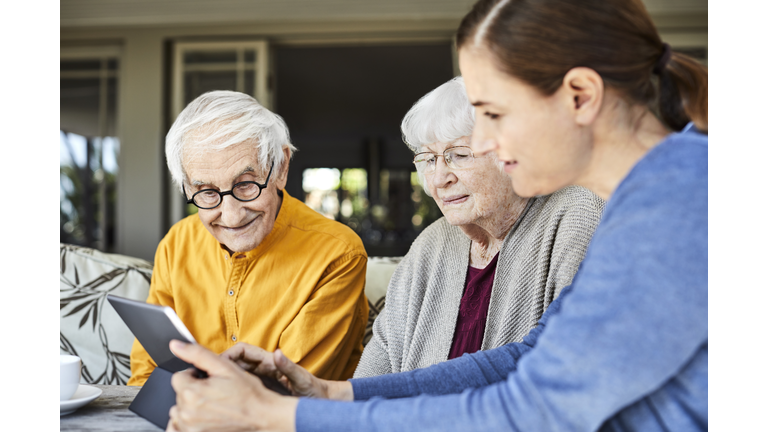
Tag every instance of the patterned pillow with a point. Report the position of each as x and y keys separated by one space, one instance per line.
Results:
x=377 y=278
x=89 y=327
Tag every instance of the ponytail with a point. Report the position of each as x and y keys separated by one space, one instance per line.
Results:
x=683 y=90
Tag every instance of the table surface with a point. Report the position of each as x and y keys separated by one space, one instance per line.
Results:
x=109 y=412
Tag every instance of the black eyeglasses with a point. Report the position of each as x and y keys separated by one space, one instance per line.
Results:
x=207 y=199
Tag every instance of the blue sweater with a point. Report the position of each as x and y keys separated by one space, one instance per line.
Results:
x=623 y=348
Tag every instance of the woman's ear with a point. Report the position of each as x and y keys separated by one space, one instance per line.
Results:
x=282 y=173
x=584 y=89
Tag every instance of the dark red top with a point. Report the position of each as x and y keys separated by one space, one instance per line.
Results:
x=473 y=311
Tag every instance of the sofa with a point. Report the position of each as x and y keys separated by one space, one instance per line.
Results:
x=91 y=329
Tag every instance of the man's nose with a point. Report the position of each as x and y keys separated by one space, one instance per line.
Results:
x=231 y=210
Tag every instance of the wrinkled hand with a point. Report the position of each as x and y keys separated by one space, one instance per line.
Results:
x=252 y=359
x=294 y=377
x=230 y=399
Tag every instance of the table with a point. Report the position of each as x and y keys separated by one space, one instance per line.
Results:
x=109 y=412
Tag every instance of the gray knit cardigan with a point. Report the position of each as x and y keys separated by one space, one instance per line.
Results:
x=538 y=258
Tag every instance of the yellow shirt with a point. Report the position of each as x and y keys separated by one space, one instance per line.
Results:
x=301 y=290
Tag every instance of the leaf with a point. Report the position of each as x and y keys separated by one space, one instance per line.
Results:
x=66 y=281
x=78 y=297
x=95 y=315
x=103 y=338
x=100 y=379
x=147 y=277
x=65 y=345
x=85 y=318
x=104 y=278
x=63 y=260
x=79 y=308
x=123 y=359
x=87 y=375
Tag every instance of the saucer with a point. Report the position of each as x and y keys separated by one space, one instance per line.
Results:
x=83 y=396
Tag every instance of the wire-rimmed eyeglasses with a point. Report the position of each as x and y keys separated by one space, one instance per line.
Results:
x=457 y=157
x=207 y=199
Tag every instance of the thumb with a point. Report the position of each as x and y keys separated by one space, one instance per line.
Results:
x=201 y=358
x=286 y=366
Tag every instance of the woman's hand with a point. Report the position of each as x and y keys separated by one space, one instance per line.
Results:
x=294 y=377
x=230 y=399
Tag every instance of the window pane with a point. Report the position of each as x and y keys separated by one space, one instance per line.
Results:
x=197 y=57
x=80 y=65
x=79 y=106
x=320 y=189
x=403 y=211
x=250 y=82
x=197 y=83
x=88 y=149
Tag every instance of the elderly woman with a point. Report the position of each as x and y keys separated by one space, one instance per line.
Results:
x=481 y=276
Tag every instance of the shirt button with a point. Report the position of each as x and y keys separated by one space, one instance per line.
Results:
x=234 y=338
x=231 y=292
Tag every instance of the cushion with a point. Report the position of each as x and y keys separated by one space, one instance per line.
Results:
x=92 y=330
x=89 y=327
x=377 y=277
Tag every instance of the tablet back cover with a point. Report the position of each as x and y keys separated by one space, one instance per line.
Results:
x=151 y=327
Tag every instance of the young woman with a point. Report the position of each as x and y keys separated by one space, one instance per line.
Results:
x=566 y=92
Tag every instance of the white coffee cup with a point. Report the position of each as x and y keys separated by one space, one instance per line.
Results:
x=69 y=375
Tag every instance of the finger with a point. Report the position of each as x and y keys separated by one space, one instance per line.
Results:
x=202 y=358
x=285 y=382
x=173 y=414
x=290 y=369
x=234 y=353
x=248 y=353
x=183 y=379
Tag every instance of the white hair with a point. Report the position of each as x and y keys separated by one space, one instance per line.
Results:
x=442 y=115
x=219 y=119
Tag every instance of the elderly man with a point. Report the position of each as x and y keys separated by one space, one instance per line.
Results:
x=254 y=265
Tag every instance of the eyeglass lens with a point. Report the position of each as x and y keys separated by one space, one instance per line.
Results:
x=455 y=157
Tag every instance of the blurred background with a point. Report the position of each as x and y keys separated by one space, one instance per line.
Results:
x=342 y=73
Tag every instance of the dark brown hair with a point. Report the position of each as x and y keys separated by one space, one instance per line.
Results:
x=539 y=41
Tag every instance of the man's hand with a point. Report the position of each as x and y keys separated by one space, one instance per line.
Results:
x=294 y=377
x=230 y=399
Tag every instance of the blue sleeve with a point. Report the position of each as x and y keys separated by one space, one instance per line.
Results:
x=454 y=376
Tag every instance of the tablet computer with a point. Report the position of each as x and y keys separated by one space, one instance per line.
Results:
x=155 y=326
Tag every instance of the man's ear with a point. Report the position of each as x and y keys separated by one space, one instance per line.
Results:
x=583 y=89
x=282 y=173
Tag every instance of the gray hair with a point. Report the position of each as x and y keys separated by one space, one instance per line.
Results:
x=442 y=115
x=219 y=119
